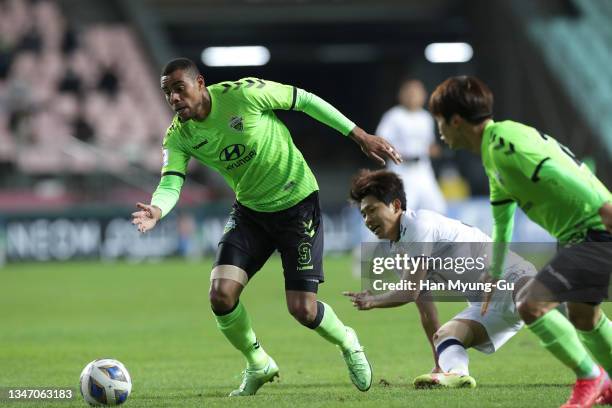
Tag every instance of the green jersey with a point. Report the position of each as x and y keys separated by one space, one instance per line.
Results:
x=543 y=177
x=244 y=141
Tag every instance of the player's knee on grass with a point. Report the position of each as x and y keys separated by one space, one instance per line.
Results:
x=302 y=306
x=583 y=316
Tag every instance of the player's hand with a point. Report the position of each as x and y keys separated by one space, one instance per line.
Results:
x=436 y=370
x=375 y=147
x=361 y=300
x=146 y=218
x=606 y=216
x=486 y=278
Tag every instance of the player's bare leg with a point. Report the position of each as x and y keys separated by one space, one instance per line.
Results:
x=227 y=283
x=320 y=317
x=452 y=341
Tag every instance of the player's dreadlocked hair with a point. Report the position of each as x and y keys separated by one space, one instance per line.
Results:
x=184 y=64
x=385 y=185
x=466 y=96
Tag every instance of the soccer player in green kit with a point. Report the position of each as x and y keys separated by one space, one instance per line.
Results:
x=231 y=128
x=532 y=170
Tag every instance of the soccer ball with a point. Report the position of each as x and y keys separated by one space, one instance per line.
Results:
x=105 y=382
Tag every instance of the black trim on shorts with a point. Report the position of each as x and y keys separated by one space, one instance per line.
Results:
x=299 y=285
x=173 y=173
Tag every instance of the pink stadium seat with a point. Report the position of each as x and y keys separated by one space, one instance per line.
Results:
x=131 y=125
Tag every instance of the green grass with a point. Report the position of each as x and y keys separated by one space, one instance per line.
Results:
x=155 y=318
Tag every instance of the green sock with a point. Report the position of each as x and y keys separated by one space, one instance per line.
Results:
x=559 y=337
x=599 y=342
x=331 y=328
x=236 y=327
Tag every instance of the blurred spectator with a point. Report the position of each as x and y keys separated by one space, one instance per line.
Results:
x=410 y=128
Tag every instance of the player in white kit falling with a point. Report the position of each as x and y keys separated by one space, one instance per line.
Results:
x=411 y=129
x=381 y=199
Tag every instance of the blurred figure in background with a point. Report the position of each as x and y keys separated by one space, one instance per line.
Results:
x=410 y=128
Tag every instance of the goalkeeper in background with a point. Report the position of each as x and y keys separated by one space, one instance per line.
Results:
x=530 y=169
x=231 y=127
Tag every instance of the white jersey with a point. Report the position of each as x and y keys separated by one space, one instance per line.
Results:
x=411 y=132
x=432 y=235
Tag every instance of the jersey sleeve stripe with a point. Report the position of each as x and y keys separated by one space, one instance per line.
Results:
x=502 y=202
x=534 y=176
x=294 y=98
x=173 y=173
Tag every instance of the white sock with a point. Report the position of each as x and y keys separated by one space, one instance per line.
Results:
x=453 y=357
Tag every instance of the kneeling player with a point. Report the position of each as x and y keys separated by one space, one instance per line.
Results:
x=381 y=197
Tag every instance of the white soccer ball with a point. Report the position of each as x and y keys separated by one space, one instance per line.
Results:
x=105 y=382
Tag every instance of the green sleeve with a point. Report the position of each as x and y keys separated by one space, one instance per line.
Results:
x=323 y=111
x=173 y=172
x=592 y=198
x=267 y=95
x=503 y=209
x=270 y=95
x=167 y=193
x=175 y=160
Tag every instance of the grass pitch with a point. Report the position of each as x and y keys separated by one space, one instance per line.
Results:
x=155 y=318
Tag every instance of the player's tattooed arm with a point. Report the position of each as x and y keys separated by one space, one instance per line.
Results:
x=375 y=147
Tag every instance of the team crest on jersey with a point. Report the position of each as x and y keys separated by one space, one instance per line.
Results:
x=236 y=123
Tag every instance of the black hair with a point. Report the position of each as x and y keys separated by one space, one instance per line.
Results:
x=184 y=64
x=465 y=96
x=385 y=185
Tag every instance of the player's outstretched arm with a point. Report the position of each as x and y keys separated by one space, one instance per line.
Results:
x=163 y=200
x=393 y=298
x=375 y=147
x=366 y=300
x=146 y=218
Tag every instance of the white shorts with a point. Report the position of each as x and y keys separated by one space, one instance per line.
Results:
x=502 y=320
x=500 y=325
